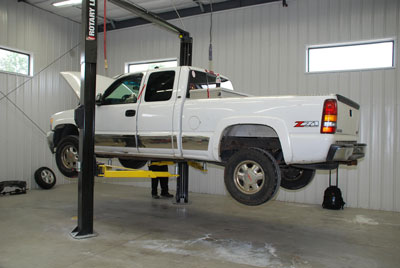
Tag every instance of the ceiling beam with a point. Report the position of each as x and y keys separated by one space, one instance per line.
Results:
x=200 y=4
x=187 y=12
x=149 y=16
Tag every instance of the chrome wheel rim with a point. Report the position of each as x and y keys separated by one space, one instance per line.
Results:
x=249 y=177
x=69 y=156
x=47 y=176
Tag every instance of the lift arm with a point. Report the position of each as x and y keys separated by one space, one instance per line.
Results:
x=184 y=36
x=109 y=171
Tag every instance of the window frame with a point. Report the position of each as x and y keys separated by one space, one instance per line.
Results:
x=18 y=51
x=127 y=64
x=353 y=43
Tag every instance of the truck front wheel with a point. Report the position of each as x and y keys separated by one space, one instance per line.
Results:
x=67 y=156
x=252 y=176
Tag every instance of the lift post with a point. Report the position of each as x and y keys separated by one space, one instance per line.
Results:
x=185 y=58
x=182 y=183
x=85 y=118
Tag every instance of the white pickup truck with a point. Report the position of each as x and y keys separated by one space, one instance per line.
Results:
x=187 y=113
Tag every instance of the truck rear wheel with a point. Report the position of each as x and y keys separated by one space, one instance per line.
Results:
x=296 y=178
x=252 y=176
x=67 y=156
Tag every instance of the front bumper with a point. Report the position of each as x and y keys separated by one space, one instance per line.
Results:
x=346 y=152
x=50 y=140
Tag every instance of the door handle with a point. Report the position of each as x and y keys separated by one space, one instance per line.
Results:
x=130 y=113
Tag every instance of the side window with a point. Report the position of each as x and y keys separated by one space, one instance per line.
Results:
x=123 y=91
x=200 y=80
x=159 y=86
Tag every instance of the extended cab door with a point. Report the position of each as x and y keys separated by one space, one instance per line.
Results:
x=116 y=116
x=155 y=118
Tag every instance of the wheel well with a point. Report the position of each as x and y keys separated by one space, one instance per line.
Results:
x=237 y=137
x=64 y=130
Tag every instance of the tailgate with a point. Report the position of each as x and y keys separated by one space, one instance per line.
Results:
x=348 y=116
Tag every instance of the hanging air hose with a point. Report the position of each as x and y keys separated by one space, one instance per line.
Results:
x=105 y=35
x=210 y=56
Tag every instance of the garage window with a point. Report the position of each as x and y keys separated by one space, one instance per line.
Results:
x=375 y=54
x=13 y=61
x=140 y=66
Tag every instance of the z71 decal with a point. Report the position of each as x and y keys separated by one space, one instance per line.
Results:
x=306 y=124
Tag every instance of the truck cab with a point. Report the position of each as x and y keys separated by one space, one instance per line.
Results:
x=149 y=106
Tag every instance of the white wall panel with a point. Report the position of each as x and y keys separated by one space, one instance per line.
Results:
x=23 y=146
x=262 y=49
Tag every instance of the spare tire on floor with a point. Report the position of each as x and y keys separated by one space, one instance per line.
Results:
x=45 y=178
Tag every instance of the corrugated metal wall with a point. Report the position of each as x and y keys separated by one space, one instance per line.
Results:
x=23 y=146
x=262 y=49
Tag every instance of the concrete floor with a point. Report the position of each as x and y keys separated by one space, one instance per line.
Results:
x=212 y=231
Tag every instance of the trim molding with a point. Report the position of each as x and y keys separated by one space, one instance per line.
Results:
x=156 y=142
x=115 y=140
x=195 y=143
x=153 y=142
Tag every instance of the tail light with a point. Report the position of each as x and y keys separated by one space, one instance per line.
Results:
x=329 y=117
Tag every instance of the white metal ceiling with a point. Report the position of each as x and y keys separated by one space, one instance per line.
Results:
x=114 y=12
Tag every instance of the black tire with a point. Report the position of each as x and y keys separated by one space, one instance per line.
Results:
x=67 y=156
x=296 y=178
x=264 y=179
x=45 y=178
x=132 y=163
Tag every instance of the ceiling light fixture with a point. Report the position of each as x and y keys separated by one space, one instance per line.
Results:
x=67 y=3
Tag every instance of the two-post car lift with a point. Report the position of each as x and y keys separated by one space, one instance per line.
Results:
x=85 y=114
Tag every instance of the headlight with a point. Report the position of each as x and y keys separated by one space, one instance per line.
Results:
x=51 y=123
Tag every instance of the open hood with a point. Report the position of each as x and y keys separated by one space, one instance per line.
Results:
x=74 y=80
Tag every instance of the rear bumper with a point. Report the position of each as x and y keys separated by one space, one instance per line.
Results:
x=50 y=140
x=339 y=153
x=346 y=152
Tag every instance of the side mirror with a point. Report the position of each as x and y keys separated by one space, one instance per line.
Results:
x=99 y=99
